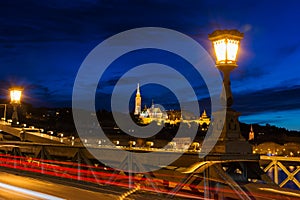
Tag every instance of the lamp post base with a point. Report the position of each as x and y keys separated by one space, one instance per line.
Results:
x=230 y=141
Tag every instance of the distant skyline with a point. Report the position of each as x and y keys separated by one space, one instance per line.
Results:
x=43 y=44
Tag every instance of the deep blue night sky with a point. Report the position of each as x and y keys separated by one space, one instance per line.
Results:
x=43 y=43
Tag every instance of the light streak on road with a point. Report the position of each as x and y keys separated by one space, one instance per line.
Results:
x=29 y=192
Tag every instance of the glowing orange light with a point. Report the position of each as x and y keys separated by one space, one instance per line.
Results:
x=15 y=95
x=226 y=45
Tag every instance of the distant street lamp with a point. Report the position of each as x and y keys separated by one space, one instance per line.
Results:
x=131 y=143
x=149 y=144
x=195 y=146
x=15 y=100
x=226 y=45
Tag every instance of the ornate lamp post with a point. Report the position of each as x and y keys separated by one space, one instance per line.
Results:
x=15 y=100
x=226 y=45
x=232 y=154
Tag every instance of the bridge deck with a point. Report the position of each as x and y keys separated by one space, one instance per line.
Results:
x=26 y=135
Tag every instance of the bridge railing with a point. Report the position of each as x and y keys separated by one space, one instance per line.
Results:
x=77 y=170
x=279 y=164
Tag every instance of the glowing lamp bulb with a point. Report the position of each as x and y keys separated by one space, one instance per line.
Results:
x=15 y=95
x=226 y=46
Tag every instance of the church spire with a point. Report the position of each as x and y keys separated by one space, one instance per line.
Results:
x=138 y=90
x=138 y=101
x=251 y=133
x=152 y=105
x=204 y=115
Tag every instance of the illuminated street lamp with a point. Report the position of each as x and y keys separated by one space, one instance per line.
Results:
x=226 y=45
x=149 y=144
x=131 y=143
x=15 y=100
x=230 y=148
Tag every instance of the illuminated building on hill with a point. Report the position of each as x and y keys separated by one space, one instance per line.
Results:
x=155 y=113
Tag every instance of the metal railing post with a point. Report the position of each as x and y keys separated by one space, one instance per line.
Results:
x=276 y=172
